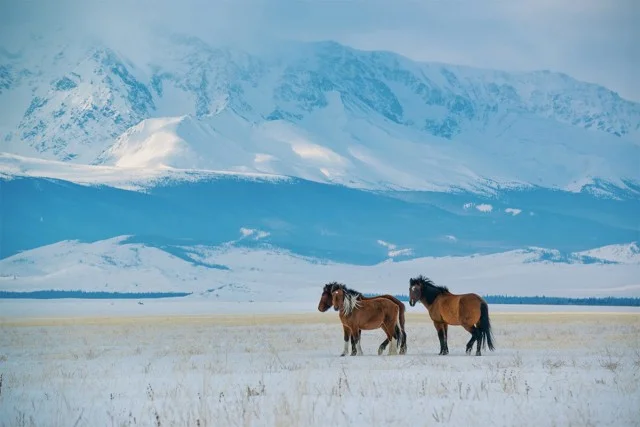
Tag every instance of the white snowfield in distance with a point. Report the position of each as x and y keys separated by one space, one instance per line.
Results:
x=231 y=273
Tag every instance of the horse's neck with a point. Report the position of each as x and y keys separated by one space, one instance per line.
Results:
x=352 y=303
x=433 y=294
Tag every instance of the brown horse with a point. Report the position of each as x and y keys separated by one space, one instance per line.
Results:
x=325 y=303
x=468 y=310
x=357 y=314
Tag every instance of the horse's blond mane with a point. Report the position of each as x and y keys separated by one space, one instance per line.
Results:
x=351 y=302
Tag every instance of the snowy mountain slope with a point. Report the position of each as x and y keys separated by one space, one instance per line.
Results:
x=626 y=254
x=128 y=178
x=308 y=218
x=229 y=273
x=80 y=98
x=319 y=111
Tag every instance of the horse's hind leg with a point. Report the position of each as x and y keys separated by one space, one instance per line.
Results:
x=357 y=349
x=389 y=329
x=478 y=334
x=353 y=345
x=472 y=330
x=383 y=346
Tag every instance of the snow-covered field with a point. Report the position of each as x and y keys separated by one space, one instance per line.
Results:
x=283 y=369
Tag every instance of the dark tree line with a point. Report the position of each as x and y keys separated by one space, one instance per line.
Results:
x=544 y=300
x=51 y=294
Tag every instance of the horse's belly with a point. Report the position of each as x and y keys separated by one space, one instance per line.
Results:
x=451 y=314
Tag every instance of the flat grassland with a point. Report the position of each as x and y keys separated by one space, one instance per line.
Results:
x=549 y=369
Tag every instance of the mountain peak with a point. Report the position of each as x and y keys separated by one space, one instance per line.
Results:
x=319 y=110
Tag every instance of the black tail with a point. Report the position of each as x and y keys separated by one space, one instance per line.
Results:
x=401 y=340
x=402 y=343
x=485 y=326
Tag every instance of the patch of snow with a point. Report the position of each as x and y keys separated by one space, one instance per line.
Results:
x=625 y=253
x=393 y=250
x=484 y=207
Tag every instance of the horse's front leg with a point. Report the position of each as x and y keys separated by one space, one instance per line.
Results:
x=446 y=336
x=441 y=336
x=347 y=335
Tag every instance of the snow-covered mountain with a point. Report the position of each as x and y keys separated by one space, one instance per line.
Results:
x=316 y=151
x=318 y=111
x=233 y=273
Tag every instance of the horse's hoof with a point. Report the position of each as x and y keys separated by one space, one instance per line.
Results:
x=478 y=354
x=343 y=354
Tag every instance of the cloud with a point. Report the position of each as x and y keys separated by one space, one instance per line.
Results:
x=591 y=40
x=256 y=234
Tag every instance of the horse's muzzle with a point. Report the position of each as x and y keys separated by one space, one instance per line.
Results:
x=412 y=302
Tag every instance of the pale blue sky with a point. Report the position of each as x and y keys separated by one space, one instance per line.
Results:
x=591 y=40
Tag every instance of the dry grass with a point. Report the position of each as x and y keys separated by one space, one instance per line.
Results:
x=562 y=369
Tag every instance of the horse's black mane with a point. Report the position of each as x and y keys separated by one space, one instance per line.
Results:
x=335 y=285
x=429 y=289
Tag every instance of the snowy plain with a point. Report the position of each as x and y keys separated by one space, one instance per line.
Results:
x=549 y=369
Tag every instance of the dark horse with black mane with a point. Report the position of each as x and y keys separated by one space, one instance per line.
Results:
x=468 y=310
x=325 y=304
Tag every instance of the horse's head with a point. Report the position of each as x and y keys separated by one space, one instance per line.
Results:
x=337 y=297
x=415 y=291
x=325 y=298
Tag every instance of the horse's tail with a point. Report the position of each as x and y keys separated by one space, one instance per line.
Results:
x=486 y=335
x=398 y=332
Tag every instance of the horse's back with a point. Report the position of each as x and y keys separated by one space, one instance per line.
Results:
x=395 y=300
x=386 y=307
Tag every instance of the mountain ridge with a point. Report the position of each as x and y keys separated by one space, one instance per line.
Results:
x=327 y=112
